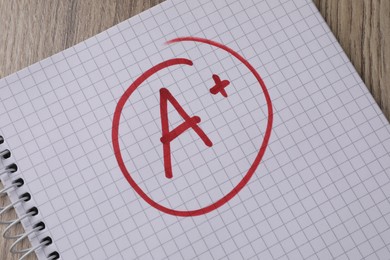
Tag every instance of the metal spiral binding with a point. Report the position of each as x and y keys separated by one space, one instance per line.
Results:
x=33 y=211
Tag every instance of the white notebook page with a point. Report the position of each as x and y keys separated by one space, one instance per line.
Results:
x=321 y=189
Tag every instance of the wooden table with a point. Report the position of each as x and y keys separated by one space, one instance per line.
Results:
x=33 y=30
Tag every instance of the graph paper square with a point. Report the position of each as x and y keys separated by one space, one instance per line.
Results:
x=321 y=189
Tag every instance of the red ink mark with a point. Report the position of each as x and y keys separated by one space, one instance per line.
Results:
x=219 y=86
x=169 y=136
x=116 y=120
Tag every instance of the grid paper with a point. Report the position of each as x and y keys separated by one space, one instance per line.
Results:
x=321 y=190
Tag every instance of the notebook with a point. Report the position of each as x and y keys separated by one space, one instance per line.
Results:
x=199 y=130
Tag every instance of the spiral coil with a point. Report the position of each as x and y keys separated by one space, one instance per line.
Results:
x=30 y=213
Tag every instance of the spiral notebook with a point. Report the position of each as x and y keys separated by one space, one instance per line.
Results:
x=198 y=130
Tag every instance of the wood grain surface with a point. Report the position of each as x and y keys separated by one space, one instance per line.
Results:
x=31 y=30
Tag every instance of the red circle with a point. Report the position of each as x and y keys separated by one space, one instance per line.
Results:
x=181 y=61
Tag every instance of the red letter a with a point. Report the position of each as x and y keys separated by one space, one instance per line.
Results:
x=169 y=136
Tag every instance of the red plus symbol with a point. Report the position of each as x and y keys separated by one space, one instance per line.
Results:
x=219 y=86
